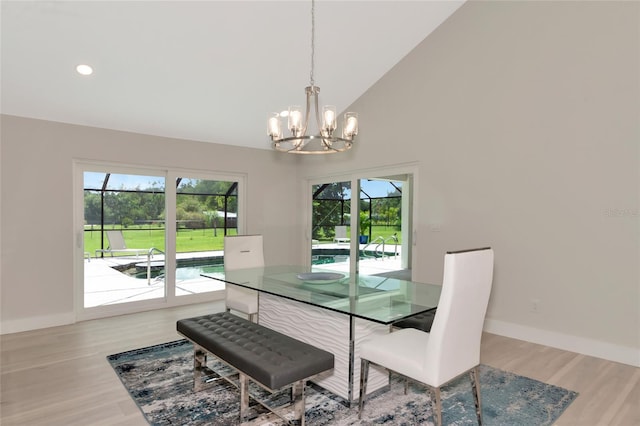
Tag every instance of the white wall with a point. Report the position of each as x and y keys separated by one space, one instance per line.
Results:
x=524 y=119
x=36 y=272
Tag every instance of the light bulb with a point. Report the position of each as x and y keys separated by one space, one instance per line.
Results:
x=329 y=118
x=295 y=120
x=350 y=125
x=274 y=129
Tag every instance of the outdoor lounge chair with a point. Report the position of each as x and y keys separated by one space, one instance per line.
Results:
x=117 y=245
x=341 y=234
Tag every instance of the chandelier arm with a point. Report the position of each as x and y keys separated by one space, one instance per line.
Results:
x=309 y=93
x=327 y=143
x=317 y=111
x=331 y=150
x=331 y=138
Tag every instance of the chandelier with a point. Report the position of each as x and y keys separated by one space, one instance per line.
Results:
x=326 y=141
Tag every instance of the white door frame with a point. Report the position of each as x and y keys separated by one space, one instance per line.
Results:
x=170 y=174
x=408 y=207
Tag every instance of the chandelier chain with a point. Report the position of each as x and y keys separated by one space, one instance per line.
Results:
x=313 y=33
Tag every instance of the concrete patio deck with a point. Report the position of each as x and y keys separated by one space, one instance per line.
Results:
x=105 y=285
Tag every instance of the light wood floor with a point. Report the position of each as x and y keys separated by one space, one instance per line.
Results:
x=59 y=376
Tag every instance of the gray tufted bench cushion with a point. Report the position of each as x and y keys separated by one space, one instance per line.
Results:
x=421 y=321
x=265 y=355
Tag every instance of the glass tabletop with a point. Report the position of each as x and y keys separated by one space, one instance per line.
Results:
x=375 y=298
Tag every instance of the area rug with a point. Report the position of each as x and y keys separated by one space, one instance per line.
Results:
x=160 y=380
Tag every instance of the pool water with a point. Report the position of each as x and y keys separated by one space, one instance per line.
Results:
x=192 y=269
x=187 y=272
x=192 y=272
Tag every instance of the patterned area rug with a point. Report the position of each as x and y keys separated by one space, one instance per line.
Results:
x=159 y=379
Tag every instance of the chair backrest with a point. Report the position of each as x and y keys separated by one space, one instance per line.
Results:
x=454 y=342
x=243 y=251
x=116 y=240
x=341 y=231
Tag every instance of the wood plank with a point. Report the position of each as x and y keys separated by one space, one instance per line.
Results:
x=60 y=376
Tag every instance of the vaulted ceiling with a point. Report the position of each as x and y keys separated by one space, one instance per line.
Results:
x=204 y=70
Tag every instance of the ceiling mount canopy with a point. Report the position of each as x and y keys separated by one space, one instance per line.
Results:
x=326 y=141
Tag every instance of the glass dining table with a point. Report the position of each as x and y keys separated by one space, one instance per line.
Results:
x=334 y=311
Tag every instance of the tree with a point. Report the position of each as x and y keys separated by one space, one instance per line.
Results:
x=92 y=207
x=330 y=208
x=189 y=211
x=364 y=223
x=127 y=206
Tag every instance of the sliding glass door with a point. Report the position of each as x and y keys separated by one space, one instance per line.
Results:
x=376 y=239
x=331 y=224
x=144 y=237
x=123 y=230
x=206 y=211
x=382 y=226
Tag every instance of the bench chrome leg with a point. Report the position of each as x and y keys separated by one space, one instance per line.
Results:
x=244 y=397
x=199 y=364
x=297 y=394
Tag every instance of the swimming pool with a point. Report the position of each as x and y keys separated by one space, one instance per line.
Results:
x=188 y=269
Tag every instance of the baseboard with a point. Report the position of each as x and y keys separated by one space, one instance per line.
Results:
x=595 y=348
x=35 y=323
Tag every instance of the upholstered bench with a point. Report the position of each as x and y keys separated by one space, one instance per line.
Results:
x=421 y=321
x=268 y=357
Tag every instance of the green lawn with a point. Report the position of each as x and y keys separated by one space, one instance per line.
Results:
x=385 y=232
x=377 y=231
x=193 y=240
x=187 y=240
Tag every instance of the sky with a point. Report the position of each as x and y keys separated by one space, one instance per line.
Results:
x=94 y=180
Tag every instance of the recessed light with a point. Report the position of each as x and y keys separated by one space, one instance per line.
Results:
x=84 y=69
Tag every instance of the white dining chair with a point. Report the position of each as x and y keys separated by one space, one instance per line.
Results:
x=242 y=251
x=452 y=347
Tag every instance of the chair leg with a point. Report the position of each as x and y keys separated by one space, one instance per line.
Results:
x=475 y=387
x=436 y=406
x=364 y=376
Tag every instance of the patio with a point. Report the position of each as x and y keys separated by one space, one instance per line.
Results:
x=105 y=285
